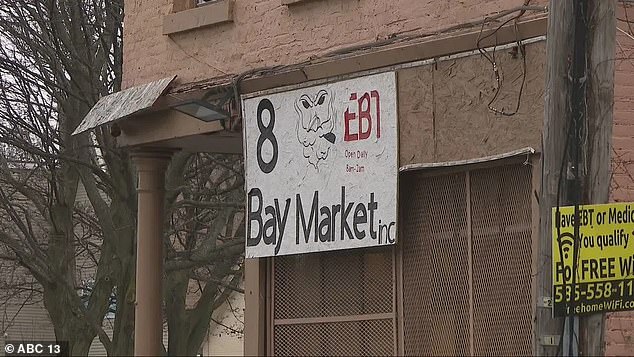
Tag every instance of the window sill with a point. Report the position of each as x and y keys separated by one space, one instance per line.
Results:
x=201 y=16
x=293 y=2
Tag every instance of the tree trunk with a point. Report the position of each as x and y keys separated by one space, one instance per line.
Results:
x=177 y=321
x=66 y=323
x=124 y=244
x=123 y=334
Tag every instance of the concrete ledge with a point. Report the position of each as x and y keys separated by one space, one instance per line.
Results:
x=357 y=61
x=425 y=48
x=201 y=16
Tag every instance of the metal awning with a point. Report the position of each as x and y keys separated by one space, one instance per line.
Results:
x=118 y=106
x=432 y=165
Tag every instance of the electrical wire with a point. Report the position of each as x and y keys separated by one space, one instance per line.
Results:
x=402 y=35
x=496 y=71
x=558 y=226
x=627 y=20
x=392 y=39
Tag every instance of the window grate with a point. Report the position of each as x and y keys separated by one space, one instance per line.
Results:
x=502 y=261
x=464 y=276
x=483 y=217
x=334 y=303
x=435 y=273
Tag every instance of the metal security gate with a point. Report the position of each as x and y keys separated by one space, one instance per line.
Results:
x=435 y=270
x=461 y=272
x=466 y=262
x=334 y=303
x=502 y=257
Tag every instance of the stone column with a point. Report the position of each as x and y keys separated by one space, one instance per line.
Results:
x=148 y=320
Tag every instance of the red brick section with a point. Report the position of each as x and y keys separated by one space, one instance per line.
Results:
x=622 y=186
x=619 y=330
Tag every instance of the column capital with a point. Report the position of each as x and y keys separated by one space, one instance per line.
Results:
x=151 y=159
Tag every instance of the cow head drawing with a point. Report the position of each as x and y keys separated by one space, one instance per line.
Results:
x=315 y=125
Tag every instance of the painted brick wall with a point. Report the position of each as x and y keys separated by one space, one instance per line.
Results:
x=619 y=334
x=266 y=33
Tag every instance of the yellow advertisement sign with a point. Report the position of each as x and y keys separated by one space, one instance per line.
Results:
x=602 y=259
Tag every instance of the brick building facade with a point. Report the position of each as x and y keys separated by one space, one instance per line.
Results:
x=443 y=119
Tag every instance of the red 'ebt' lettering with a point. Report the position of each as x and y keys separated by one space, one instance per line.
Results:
x=363 y=116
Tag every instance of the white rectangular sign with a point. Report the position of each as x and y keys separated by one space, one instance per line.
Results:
x=322 y=167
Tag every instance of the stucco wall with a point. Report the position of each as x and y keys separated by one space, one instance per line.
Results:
x=266 y=33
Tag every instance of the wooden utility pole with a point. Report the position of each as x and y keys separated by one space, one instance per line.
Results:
x=549 y=331
x=576 y=145
x=598 y=145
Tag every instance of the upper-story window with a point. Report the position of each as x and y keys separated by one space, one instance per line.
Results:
x=204 y=2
